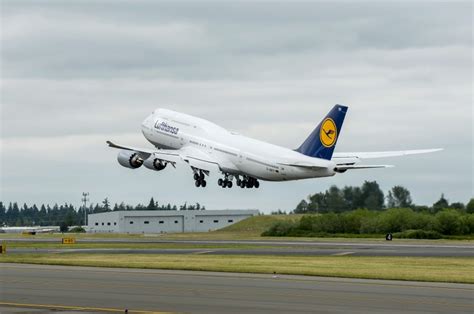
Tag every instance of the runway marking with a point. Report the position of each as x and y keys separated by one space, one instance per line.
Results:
x=203 y=252
x=78 y=308
x=343 y=253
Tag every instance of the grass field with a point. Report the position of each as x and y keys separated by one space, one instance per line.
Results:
x=459 y=270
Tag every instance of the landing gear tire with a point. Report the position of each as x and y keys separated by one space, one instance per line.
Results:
x=257 y=184
x=203 y=183
x=242 y=184
x=197 y=183
x=229 y=184
x=220 y=182
x=196 y=176
x=201 y=176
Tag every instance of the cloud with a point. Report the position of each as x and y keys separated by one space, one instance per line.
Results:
x=75 y=75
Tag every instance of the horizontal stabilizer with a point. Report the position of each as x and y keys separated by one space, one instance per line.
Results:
x=368 y=155
x=350 y=167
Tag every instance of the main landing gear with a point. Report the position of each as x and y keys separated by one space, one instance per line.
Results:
x=248 y=182
x=199 y=179
x=225 y=183
x=245 y=182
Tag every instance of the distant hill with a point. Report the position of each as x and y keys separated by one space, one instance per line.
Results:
x=258 y=224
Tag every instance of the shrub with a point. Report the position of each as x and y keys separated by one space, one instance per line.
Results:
x=448 y=222
x=279 y=229
x=467 y=224
x=63 y=227
x=402 y=221
x=418 y=234
x=352 y=221
x=77 y=229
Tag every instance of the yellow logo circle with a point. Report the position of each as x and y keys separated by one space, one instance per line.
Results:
x=328 y=133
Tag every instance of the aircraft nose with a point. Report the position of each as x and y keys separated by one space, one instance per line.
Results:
x=146 y=124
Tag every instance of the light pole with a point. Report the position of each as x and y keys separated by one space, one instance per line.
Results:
x=84 y=205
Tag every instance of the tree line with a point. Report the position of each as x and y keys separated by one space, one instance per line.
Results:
x=402 y=222
x=371 y=197
x=67 y=214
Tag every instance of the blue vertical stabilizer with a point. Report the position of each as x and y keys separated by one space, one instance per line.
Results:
x=322 y=141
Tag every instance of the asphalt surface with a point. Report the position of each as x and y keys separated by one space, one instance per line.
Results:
x=297 y=248
x=31 y=288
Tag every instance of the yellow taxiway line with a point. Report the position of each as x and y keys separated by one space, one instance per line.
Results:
x=78 y=308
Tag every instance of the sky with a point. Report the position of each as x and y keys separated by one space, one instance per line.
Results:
x=75 y=74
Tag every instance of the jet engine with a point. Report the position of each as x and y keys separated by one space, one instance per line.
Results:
x=154 y=164
x=129 y=159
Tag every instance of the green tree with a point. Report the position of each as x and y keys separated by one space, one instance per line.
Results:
x=470 y=206
x=335 y=200
x=399 y=197
x=302 y=207
x=440 y=204
x=457 y=205
x=63 y=227
x=152 y=205
x=352 y=197
x=317 y=203
x=372 y=195
x=106 y=204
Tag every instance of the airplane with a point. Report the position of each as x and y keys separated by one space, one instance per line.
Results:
x=207 y=147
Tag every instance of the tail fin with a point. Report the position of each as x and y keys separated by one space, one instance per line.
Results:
x=321 y=142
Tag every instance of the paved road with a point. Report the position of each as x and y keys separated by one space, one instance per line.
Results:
x=299 y=248
x=94 y=289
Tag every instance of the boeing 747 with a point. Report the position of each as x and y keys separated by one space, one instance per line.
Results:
x=205 y=147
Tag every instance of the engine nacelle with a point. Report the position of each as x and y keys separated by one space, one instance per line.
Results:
x=154 y=164
x=129 y=159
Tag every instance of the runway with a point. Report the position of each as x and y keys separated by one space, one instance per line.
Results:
x=267 y=247
x=90 y=290
x=358 y=251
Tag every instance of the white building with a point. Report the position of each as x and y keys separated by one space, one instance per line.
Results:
x=164 y=221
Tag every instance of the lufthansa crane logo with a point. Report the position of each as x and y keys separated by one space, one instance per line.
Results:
x=328 y=133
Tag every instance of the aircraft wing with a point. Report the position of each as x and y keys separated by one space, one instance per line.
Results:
x=136 y=149
x=195 y=158
x=368 y=155
x=167 y=155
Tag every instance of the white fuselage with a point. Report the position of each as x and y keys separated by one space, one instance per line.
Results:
x=237 y=154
